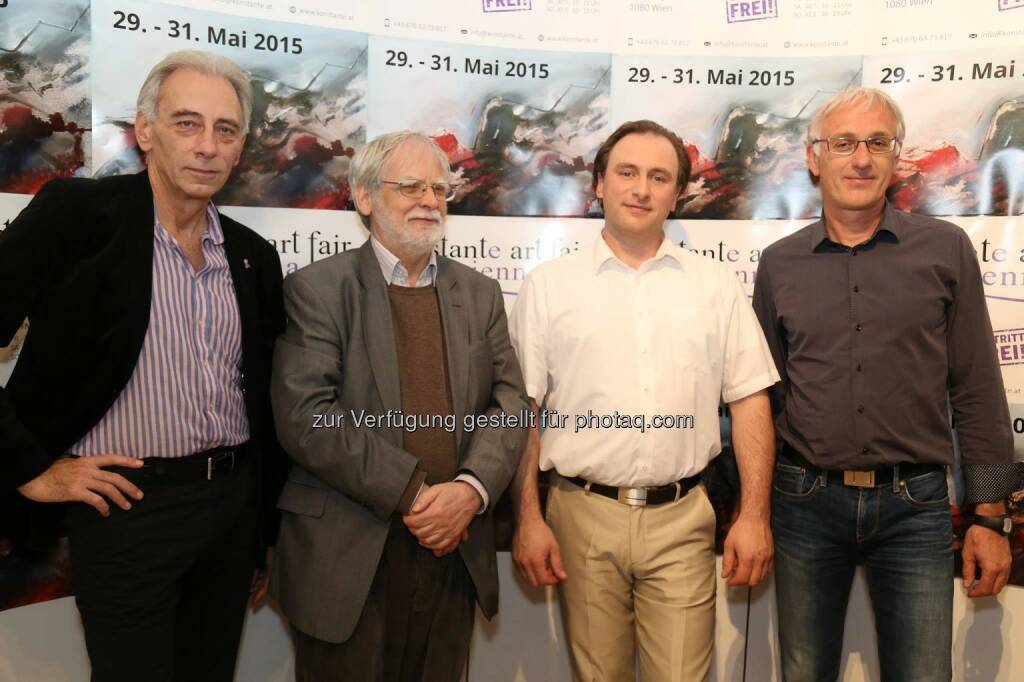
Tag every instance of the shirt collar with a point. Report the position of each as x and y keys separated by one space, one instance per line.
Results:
x=395 y=273
x=603 y=253
x=892 y=222
x=214 y=232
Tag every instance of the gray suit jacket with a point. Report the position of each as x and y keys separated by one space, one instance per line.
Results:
x=338 y=354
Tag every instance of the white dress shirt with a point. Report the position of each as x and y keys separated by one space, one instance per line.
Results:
x=670 y=337
x=395 y=273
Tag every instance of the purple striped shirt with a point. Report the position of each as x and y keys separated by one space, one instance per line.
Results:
x=185 y=394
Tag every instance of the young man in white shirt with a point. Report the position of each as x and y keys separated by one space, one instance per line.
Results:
x=635 y=330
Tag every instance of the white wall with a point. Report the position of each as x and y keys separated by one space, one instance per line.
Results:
x=43 y=643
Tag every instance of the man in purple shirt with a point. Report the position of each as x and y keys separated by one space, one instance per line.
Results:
x=141 y=394
x=878 y=324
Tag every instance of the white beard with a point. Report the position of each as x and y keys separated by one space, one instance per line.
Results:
x=407 y=242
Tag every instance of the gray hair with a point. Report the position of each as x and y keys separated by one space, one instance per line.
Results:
x=868 y=96
x=367 y=167
x=205 y=63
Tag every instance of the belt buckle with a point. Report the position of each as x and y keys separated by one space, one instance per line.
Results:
x=859 y=479
x=216 y=459
x=634 y=497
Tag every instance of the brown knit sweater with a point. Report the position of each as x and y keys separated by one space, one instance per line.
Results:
x=425 y=385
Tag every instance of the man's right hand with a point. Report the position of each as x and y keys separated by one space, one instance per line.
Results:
x=83 y=479
x=535 y=551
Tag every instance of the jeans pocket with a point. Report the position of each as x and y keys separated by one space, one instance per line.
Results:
x=793 y=481
x=927 y=491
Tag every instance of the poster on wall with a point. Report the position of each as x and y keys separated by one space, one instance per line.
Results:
x=999 y=243
x=519 y=94
x=901 y=26
x=45 y=114
x=745 y=121
x=964 y=149
x=520 y=127
x=773 y=28
x=33 y=568
x=309 y=85
x=571 y=25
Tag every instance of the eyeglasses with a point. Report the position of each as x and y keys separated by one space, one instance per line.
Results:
x=842 y=145
x=415 y=189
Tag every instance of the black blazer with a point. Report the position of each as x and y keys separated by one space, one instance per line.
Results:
x=77 y=262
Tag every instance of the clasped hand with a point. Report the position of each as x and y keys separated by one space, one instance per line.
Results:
x=441 y=514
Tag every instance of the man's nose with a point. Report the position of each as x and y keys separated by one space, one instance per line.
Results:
x=861 y=155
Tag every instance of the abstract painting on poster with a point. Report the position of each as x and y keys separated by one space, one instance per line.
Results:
x=520 y=127
x=744 y=120
x=964 y=148
x=309 y=85
x=45 y=114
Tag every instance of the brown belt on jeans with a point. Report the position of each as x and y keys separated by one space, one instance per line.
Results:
x=639 y=497
x=863 y=478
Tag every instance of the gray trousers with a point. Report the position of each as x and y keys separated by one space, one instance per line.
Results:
x=415 y=626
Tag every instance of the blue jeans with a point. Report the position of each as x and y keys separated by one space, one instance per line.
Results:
x=901 y=532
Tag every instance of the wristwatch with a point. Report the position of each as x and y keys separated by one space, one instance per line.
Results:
x=1001 y=524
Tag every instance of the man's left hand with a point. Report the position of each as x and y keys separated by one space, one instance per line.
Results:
x=261 y=582
x=990 y=551
x=747 y=559
x=441 y=514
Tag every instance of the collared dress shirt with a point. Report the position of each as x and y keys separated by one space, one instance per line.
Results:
x=395 y=273
x=185 y=394
x=877 y=341
x=667 y=339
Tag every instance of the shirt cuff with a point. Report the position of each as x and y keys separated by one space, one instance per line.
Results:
x=991 y=482
x=412 y=491
x=478 y=486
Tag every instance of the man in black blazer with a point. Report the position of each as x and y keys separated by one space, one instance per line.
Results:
x=141 y=393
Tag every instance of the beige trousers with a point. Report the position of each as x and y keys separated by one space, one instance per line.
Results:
x=641 y=584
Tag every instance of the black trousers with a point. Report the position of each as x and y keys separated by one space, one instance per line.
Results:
x=415 y=626
x=162 y=588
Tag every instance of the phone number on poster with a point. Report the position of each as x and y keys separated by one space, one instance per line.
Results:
x=215 y=35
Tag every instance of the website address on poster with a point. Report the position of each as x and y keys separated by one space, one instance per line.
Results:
x=323 y=13
x=820 y=43
x=1002 y=34
x=251 y=4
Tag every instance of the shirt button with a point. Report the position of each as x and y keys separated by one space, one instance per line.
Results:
x=859 y=327
x=859 y=367
x=860 y=409
x=856 y=288
x=863 y=451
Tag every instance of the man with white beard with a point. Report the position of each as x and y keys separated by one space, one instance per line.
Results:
x=396 y=349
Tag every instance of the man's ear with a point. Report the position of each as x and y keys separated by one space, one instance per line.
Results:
x=812 y=160
x=599 y=188
x=362 y=201
x=143 y=132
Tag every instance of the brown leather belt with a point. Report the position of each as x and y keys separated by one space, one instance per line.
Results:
x=862 y=478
